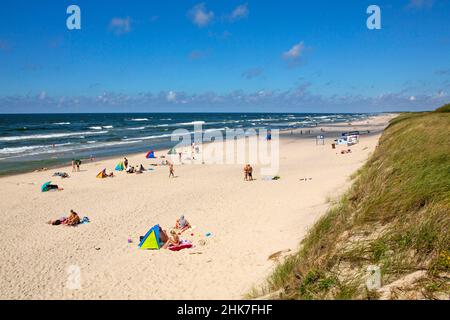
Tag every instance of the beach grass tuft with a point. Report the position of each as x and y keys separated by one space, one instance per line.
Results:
x=396 y=215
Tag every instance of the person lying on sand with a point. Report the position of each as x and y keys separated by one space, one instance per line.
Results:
x=106 y=175
x=72 y=220
x=61 y=174
x=53 y=187
x=130 y=169
x=174 y=240
x=163 y=237
x=182 y=224
x=140 y=169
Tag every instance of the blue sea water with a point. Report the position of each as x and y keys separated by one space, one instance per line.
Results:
x=30 y=141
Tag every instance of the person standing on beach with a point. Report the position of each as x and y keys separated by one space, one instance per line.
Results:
x=250 y=173
x=246 y=172
x=171 y=171
x=77 y=163
x=125 y=163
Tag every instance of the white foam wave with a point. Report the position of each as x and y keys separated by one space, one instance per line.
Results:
x=139 y=119
x=51 y=136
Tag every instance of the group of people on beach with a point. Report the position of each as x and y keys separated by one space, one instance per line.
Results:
x=76 y=163
x=174 y=238
x=131 y=169
x=248 y=172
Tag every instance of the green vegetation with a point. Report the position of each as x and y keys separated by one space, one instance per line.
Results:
x=444 y=108
x=396 y=215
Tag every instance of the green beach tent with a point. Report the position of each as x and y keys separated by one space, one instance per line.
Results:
x=151 y=239
x=172 y=151
x=120 y=167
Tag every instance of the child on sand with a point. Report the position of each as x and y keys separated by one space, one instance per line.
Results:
x=171 y=171
x=182 y=224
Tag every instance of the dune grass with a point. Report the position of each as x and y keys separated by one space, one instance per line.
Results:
x=396 y=215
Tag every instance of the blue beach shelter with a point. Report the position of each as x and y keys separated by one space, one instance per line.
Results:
x=44 y=187
x=151 y=239
x=150 y=155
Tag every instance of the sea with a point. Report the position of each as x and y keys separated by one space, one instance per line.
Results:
x=33 y=141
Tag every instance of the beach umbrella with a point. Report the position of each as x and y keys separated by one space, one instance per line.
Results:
x=44 y=187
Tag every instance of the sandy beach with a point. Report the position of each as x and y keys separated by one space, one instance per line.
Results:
x=248 y=222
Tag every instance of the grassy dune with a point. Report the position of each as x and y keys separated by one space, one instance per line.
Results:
x=396 y=216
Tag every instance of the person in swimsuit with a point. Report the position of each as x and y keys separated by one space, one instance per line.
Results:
x=250 y=173
x=171 y=171
x=174 y=240
x=53 y=187
x=72 y=220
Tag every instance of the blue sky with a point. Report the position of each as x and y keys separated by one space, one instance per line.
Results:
x=293 y=56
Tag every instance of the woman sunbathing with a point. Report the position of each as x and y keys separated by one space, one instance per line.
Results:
x=72 y=220
x=53 y=187
x=174 y=240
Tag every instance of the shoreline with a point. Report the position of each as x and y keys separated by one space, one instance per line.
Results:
x=283 y=133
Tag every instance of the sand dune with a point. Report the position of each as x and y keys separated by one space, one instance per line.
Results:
x=249 y=221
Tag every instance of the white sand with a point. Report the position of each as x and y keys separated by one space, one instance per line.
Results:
x=248 y=220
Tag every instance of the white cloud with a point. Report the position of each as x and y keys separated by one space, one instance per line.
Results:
x=171 y=96
x=42 y=95
x=295 y=52
x=120 y=25
x=200 y=16
x=252 y=73
x=240 y=12
x=301 y=98
x=420 y=4
x=440 y=94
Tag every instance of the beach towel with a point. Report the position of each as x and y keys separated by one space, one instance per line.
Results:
x=84 y=220
x=181 y=246
x=61 y=174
